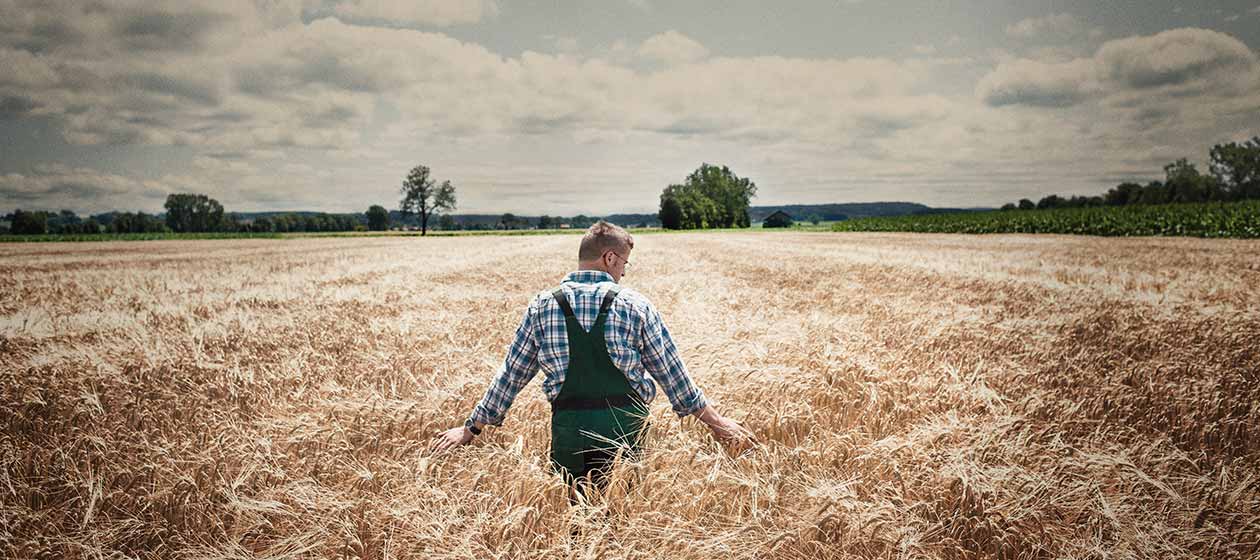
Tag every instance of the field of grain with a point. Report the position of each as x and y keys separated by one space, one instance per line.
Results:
x=918 y=396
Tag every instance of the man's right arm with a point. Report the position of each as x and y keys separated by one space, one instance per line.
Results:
x=519 y=367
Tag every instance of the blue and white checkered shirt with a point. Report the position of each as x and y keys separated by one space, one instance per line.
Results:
x=638 y=343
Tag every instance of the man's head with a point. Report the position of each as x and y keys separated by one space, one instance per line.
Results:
x=605 y=247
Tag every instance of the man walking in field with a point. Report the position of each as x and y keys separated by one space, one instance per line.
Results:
x=600 y=346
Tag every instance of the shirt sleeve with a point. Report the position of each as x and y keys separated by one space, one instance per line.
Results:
x=660 y=358
x=517 y=370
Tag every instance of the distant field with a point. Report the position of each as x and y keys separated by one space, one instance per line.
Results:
x=1233 y=219
x=918 y=396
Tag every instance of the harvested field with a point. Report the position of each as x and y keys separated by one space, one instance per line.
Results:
x=918 y=396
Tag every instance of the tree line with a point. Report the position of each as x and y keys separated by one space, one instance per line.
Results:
x=185 y=213
x=422 y=199
x=198 y=213
x=1233 y=175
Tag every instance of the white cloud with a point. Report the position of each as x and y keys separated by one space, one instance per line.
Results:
x=1059 y=25
x=55 y=187
x=1177 y=62
x=924 y=49
x=1036 y=83
x=1184 y=60
x=417 y=12
x=672 y=47
x=26 y=70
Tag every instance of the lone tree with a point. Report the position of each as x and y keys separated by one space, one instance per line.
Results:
x=422 y=196
x=377 y=218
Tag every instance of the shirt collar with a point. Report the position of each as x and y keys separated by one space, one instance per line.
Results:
x=588 y=277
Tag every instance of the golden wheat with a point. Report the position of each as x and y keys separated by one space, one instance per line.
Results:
x=917 y=396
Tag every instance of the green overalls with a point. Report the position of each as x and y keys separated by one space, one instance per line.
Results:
x=596 y=412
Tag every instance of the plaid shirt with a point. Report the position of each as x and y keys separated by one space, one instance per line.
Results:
x=638 y=343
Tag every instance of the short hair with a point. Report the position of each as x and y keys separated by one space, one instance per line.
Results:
x=602 y=237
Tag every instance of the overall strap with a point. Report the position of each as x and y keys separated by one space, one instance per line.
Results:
x=608 y=299
x=604 y=306
x=563 y=302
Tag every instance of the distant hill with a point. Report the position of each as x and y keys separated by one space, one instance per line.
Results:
x=844 y=211
x=489 y=221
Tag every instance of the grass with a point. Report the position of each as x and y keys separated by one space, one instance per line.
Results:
x=918 y=396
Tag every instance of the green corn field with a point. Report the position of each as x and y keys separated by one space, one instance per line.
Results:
x=1212 y=219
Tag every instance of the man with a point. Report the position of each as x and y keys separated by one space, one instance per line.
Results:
x=600 y=347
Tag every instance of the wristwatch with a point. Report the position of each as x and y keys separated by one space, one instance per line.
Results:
x=472 y=427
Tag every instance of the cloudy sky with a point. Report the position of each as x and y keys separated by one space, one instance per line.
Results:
x=594 y=106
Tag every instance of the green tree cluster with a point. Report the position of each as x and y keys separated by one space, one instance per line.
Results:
x=136 y=222
x=512 y=221
x=1234 y=174
x=710 y=197
x=187 y=212
x=293 y=222
x=377 y=218
x=39 y=222
x=28 y=223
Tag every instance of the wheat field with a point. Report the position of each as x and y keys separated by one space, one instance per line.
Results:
x=916 y=396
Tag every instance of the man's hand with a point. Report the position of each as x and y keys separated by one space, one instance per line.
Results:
x=727 y=431
x=450 y=439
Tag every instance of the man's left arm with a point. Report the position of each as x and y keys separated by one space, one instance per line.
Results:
x=661 y=359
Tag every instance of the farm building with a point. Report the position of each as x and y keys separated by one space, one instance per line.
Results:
x=778 y=219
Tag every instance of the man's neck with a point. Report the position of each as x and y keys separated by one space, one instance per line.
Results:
x=594 y=267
